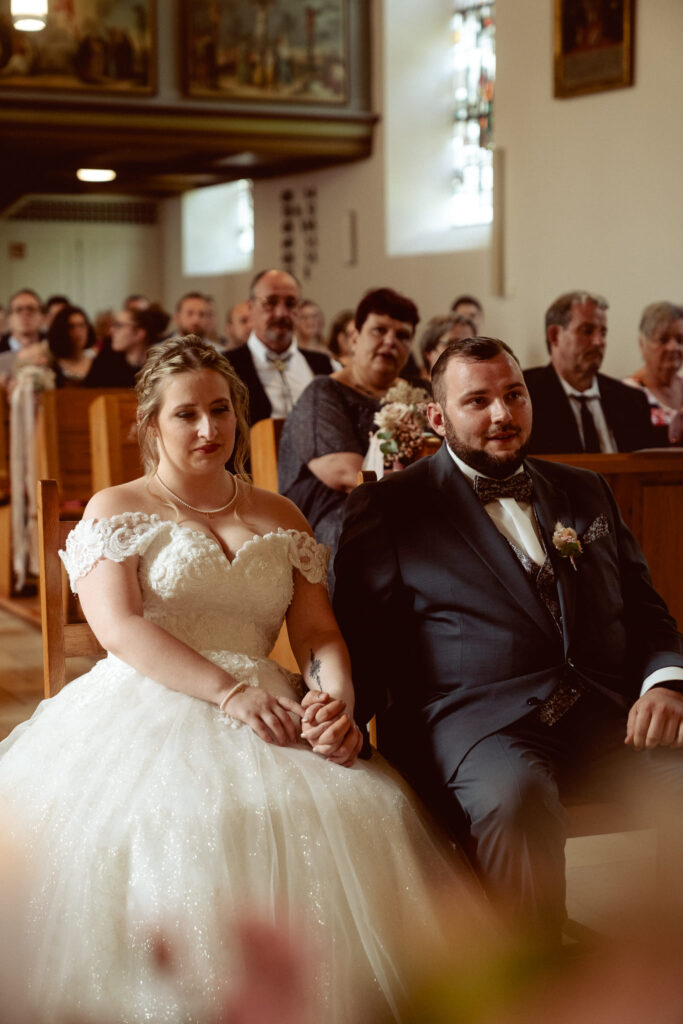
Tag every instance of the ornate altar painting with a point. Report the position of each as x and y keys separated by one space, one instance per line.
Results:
x=283 y=51
x=87 y=45
x=593 y=45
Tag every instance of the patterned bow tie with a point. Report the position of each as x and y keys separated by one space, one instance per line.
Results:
x=518 y=487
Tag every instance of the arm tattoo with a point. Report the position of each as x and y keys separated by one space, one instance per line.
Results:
x=315 y=670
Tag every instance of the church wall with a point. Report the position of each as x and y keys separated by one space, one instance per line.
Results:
x=592 y=196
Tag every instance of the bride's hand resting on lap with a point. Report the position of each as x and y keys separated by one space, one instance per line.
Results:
x=266 y=715
x=329 y=729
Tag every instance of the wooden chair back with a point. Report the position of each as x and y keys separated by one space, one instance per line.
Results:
x=4 y=443
x=63 y=441
x=65 y=632
x=114 y=451
x=264 y=443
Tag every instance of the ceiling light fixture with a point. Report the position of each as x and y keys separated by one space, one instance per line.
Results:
x=95 y=174
x=29 y=15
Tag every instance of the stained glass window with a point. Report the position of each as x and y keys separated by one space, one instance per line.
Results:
x=474 y=75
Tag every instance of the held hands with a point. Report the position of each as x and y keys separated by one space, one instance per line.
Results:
x=676 y=428
x=266 y=715
x=656 y=720
x=330 y=731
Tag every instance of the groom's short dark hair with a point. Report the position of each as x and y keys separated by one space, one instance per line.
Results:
x=476 y=350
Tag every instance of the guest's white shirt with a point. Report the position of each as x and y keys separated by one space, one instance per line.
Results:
x=605 y=435
x=283 y=386
x=517 y=522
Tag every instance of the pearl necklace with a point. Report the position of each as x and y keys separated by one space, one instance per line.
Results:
x=201 y=511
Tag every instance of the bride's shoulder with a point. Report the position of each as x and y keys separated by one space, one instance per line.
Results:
x=130 y=498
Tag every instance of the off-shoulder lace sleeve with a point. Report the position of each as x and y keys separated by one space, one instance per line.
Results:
x=309 y=557
x=116 y=538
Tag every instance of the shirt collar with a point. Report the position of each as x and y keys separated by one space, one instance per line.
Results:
x=592 y=392
x=261 y=352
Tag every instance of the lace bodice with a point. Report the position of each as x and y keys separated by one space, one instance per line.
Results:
x=189 y=586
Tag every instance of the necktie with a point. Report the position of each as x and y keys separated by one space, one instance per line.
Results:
x=591 y=441
x=279 y=362
x=518 y=486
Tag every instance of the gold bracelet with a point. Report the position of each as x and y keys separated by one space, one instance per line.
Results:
x=231 y=693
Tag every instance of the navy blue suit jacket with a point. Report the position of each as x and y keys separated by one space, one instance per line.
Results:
x=449 y=639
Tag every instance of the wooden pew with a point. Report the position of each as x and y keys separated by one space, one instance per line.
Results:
x=5 y=549
x=648 y=487
x=264 y=442
x=63 y=444
x=114 y=451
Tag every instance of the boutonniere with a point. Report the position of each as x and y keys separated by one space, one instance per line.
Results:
x=566 y=540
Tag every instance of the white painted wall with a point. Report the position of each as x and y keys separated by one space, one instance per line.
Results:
x=592 y=192
x=96 y=265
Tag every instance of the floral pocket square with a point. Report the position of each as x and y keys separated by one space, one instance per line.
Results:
x=597 y=529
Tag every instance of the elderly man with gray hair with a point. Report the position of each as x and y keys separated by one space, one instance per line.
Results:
x=576 y=408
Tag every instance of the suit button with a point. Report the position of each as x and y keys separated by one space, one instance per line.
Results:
x=533 y=702
x=570 y=662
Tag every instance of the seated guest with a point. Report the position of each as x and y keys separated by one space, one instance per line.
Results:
x=271 y=364
x=24 y=321
x=237 y=325
x=467 y=305
x=71 y=338
x=327 y=433
x=52 y=306
x=661 y=342
x=577 y=409
x=133 y=331
x=437 y=334
x=311 y=326
x=340 y=338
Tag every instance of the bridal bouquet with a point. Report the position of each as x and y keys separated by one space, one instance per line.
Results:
x=403 y=424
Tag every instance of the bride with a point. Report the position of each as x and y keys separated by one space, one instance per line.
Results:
x=186 y=780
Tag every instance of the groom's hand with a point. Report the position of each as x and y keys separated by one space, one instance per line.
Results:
x=328 y=728
x=656 y=720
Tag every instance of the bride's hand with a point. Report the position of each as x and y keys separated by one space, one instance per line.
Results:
x=330 y=731
x=266 y=715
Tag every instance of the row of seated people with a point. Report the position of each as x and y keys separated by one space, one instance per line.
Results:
x=331 y=413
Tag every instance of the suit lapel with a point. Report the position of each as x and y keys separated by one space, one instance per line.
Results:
x=552 y=505
x=560 y=410
x=468 y=517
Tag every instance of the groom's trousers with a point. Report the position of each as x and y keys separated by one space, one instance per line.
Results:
x=510 y=787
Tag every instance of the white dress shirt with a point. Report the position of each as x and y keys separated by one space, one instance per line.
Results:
x=516 y=520
x=282 y=393
x=605 y=435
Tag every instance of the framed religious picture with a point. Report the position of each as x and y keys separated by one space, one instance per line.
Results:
x=273 y=51
x=106 y=46
x=593 y=45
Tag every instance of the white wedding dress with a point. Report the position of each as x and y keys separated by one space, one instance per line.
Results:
x=149 y=813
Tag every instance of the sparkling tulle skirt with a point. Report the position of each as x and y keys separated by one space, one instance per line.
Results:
x=146 y=822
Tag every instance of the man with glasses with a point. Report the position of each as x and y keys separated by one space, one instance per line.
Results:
x=271 y=363
x=25 y=321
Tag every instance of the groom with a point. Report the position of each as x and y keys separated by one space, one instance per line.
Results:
x=502 y=661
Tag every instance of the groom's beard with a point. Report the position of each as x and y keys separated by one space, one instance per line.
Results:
x=497 y=466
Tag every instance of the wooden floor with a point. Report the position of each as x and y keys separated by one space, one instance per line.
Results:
x=21 y=663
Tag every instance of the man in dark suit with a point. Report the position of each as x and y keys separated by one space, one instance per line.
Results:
x=500 y=659
x=271 y=363
x=576 y=408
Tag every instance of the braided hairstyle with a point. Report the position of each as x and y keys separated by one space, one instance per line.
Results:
x=184 y=355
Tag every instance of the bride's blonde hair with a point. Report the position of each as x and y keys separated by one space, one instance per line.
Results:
x=183 y=355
